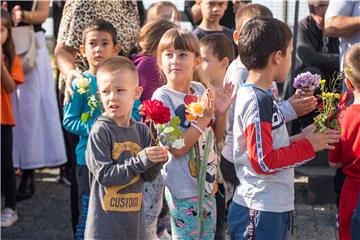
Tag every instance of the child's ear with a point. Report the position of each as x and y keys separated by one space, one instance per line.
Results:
x=225 y=62
x=276 y=57
x=197 y=62
x=117 y=50
x=138 y=92
x=82 y=50
x=349 y=84
x=236 y=35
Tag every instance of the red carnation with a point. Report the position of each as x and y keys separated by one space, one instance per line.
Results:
x=156 y=111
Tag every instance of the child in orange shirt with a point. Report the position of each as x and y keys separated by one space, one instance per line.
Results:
x=11 y=75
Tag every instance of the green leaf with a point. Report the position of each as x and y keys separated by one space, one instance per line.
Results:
x=168 y=130
x=85 y=117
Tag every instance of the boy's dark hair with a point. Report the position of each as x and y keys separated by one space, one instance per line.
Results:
x=100 y=25
x=8 y=48
x=220 y=44
x=116 y=64
x=250 y=11
x=259 y=38
x=352 y=65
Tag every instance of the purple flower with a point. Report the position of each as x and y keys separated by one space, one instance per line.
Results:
x=307 y=80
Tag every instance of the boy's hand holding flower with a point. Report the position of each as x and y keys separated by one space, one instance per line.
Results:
x=157 y=154
x=323 y=140
x=83 y=85
x=303 y=102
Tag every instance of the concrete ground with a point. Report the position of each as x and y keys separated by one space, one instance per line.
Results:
x=47 y=214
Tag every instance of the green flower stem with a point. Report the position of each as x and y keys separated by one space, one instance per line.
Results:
x=201 y=181
x=156 y=142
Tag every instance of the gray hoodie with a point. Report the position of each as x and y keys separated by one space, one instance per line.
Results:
x=119 y=168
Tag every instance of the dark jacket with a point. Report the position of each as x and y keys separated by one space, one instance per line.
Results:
x=312 y=52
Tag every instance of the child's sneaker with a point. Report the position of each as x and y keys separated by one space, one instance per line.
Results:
x=8 y=217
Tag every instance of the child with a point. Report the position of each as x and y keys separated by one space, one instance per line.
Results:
x=217 y=53
x=237 y=74
x=99 y=44
x=150 y=79
x=212 y=11
x=164 y=9
x=11 y=75
x=119 y=157
x=145 y=61
x=264 y=154
x=178 y=57
x=347 y=152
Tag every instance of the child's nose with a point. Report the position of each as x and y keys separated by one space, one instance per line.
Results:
x=175 y=59
x=98 y=49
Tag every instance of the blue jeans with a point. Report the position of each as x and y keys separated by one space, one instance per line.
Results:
x=267 y=225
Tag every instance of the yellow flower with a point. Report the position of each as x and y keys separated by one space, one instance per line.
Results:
x=195 y=109
x=322 y=81
x=190 y=117
x=337 y=96
x=83 y=85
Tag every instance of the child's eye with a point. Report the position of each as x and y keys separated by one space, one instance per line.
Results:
x=183 y=54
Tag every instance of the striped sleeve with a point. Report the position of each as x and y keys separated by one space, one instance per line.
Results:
x=264 y=129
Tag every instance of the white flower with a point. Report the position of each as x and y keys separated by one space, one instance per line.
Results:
x=178 y=143
x=83 y=83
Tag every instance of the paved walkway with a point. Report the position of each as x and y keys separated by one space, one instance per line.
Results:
x=47 y=214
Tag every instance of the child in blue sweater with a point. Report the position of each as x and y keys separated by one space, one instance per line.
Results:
x=99 y=44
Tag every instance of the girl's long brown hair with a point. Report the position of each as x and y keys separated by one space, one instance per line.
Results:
x=151 y=33
x=8 y=47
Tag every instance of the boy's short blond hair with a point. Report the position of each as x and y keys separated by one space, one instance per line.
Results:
x=250 y=11
x=116 y=64
x=352 y=65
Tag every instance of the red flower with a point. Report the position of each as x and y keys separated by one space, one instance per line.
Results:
x=156 y=111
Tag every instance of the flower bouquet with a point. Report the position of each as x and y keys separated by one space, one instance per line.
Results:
x=193 y=111
x=328 y=108
x=158 y=115
x=83 y=85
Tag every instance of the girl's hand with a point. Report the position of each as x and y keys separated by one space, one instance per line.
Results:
x=208 y=104
x=321 y=141
x=224 y=98
x=157 y=154
x=17 y=15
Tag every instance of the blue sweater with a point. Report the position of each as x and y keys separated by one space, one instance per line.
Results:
x=72 y=116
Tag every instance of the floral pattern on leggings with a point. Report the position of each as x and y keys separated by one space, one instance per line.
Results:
x=184 y=217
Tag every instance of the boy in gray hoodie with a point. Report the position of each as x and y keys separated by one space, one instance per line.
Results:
x=119 y=156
